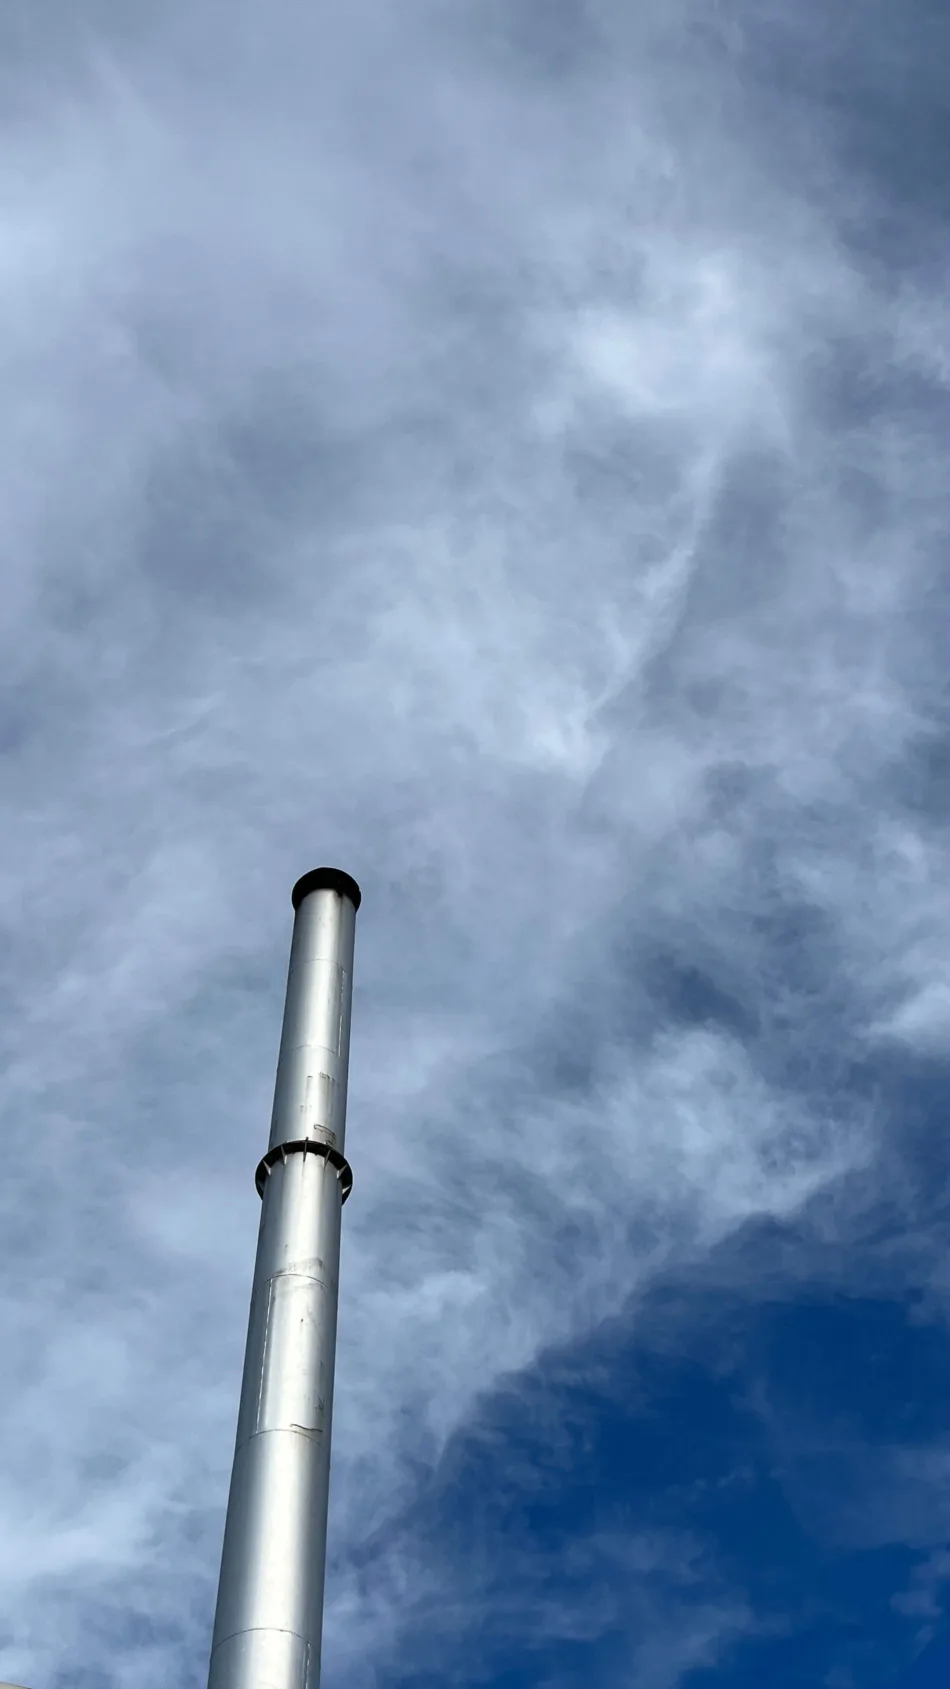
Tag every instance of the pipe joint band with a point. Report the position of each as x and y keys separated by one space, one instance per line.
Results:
x=303 y=1146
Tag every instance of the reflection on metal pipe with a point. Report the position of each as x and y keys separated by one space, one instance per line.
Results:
x=269 y=1615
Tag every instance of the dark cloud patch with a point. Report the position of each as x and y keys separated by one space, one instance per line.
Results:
x=923 y=778
x=688 y=996
x=872 y=77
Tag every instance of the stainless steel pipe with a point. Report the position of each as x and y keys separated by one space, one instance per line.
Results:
x=269 y=1615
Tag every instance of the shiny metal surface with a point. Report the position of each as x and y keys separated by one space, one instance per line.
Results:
x=269 y=1613
x=310 y=1093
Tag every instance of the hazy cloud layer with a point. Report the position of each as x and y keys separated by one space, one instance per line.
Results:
x=502 y=450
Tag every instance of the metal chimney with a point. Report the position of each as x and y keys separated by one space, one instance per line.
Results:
x=269 y=1615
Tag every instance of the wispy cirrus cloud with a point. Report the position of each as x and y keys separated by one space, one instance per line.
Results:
x=496 y=456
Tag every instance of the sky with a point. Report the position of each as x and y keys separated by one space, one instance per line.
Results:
x=498 y=449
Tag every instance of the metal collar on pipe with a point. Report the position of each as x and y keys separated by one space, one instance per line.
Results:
x=303 y=1146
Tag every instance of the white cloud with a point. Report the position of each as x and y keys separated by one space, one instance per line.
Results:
x=382 y=434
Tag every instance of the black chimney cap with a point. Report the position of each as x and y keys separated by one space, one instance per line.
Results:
x=326 y=879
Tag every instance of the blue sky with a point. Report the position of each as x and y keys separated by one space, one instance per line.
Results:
x=500 y=449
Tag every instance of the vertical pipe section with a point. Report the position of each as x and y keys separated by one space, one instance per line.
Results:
x=269 y=1616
